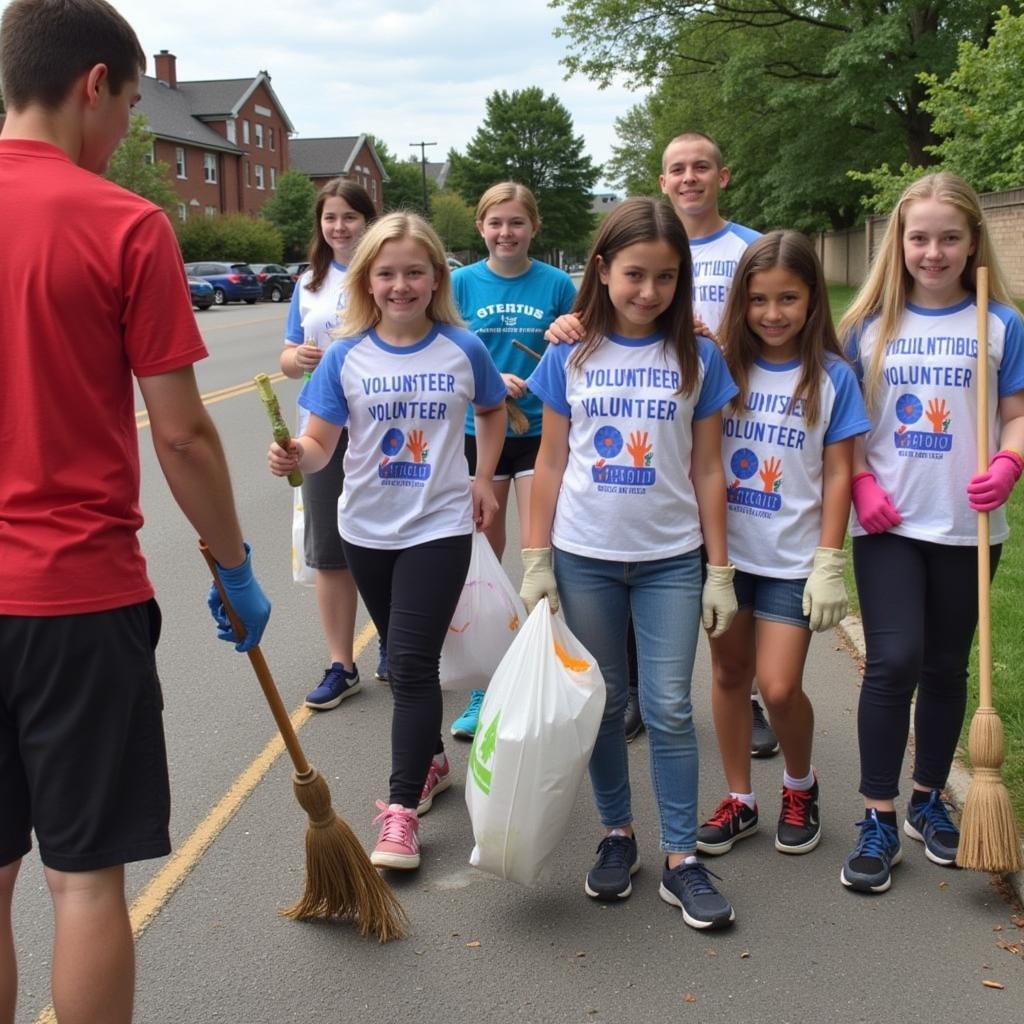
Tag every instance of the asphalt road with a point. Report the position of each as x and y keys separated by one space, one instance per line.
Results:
x=803 y=949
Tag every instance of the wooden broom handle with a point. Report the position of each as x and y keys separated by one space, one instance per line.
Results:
x=984 y=574
x=259 y=664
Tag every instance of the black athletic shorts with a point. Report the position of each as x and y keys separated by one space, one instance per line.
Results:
x=518 y=455
x=321 y=541
x=82 y=756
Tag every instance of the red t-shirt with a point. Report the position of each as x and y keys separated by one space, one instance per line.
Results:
x=93 y=290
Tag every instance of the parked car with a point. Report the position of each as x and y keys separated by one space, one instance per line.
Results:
x=453 y=263
x=232 y=282
x=297 y=270
x=202 y=292
x=277 y=283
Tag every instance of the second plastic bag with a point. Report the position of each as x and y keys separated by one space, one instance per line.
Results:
x=486 y=620
x=301 y=573
x=538 y=725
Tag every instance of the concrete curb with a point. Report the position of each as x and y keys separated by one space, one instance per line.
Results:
x=852 y=632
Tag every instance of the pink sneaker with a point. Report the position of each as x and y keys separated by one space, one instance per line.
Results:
x=438 y=780
x=398 y=845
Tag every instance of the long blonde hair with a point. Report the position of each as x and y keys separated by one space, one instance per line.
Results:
x=884 y=293
x=361 y=312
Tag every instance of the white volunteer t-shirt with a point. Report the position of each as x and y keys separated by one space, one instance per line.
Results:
x=774 y=465
x=315 y=315
x=626 y=493
x=922 y=446
x=406 y=478
x=715 y=258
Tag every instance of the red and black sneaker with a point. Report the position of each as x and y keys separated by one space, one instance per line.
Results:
x=799 y=828
x=732 y=820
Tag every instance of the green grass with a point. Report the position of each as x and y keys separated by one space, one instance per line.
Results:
x=1007 y=632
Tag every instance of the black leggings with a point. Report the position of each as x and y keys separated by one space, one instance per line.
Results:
x=919 y=606
x=411 y=595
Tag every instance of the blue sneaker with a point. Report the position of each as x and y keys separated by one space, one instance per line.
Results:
x=617 y=862
x=877 y=851
x=690 y=888
x=382 y=665
x=929 y=823
x=336 y=685
x=464 y=727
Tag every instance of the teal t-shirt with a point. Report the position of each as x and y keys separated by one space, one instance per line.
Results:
x=505 y=309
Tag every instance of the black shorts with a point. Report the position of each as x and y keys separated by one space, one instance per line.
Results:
x=321 y=541
x=518 y=455
x=82 y=756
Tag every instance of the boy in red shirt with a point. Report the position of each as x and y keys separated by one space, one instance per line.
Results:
x=100 y=296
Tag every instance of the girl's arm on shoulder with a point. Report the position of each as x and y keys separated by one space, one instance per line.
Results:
x=709 y=485
x=548 y=470
x=837 y=473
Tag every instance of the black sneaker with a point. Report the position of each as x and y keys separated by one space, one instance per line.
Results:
x=930 y=823
x=617 y=862
x=634 y=723
x=690 y=888
x=869 y=864
x=763 y=741
x=336 y=685
x=799 y=828
x=732 y=820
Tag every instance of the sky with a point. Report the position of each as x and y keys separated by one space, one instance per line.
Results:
x=405 y=70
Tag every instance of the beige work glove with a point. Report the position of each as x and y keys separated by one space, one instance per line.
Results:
x=718 y=600
x=538 y=579
x=825 y=598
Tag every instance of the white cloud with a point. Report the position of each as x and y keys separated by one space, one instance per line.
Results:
x=405 y=70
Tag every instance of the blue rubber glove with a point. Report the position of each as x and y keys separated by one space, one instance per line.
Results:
x=251 y=605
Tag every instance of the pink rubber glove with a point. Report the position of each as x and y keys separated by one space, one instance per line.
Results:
x=987 y=491
x=874 y=508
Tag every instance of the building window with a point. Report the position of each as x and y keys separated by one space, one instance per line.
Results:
x=259 y=175
x=232 y=131
x=209 y=168
x=245 y=133
x=179 y=161
x=182 y=212
x=211 y=211
x=259 y=135
x=248 y=175
x=270 y=133
x=373 y=188
x=150 y=157
x=273 y=177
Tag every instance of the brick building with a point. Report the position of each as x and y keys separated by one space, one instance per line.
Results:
x=351 y=156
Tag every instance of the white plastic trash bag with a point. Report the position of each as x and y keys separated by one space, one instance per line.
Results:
x=301 y=573
x=485 y=623
x=537 y=728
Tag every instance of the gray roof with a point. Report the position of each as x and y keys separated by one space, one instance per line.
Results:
x=439 y=172
x=320 y=158
x=224 y=97
x=170 y=117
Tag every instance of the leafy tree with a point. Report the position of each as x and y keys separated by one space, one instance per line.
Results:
x=453 y=220
x=290 y=210
x=234 y=236
x=131 y=166
x=404 y=189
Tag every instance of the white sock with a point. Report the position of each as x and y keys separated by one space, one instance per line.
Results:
x=790 y=783
x=440 y=759
x=619 y=832
x=745 y=798
x=690 y=859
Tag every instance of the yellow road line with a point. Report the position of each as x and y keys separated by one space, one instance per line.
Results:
x=163 y=885
x=212 y=397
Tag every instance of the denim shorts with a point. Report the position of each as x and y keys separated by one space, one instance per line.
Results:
x=776 y=600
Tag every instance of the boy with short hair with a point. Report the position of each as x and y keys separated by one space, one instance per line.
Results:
x=100 y=295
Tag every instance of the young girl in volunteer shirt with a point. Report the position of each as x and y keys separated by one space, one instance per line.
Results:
x=787 y=449
x=343 y=210
x=913 y=332
x=504 y=299
x=628 y=486
x=400 y=379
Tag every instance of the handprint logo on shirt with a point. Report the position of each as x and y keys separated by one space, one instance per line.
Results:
x=409 y=474
x=744 y=465
x=418 y=446
x=771 y=475
x=633 y=477
x=938 y=415
x=909 y=411
x=639 y=448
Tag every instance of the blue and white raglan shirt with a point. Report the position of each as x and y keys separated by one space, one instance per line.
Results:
x=715 y=258
x=626 y=492
x=774 y=462
x=406 y=478
x=315 y=314
x=505 y=309
x=922 y=446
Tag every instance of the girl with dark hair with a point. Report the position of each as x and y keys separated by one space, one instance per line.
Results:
x=628 y=486
x=787 y=448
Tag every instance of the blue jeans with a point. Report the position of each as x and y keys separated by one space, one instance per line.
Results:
x=664 y=597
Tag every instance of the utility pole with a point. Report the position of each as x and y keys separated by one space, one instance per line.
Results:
x=423 y=165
